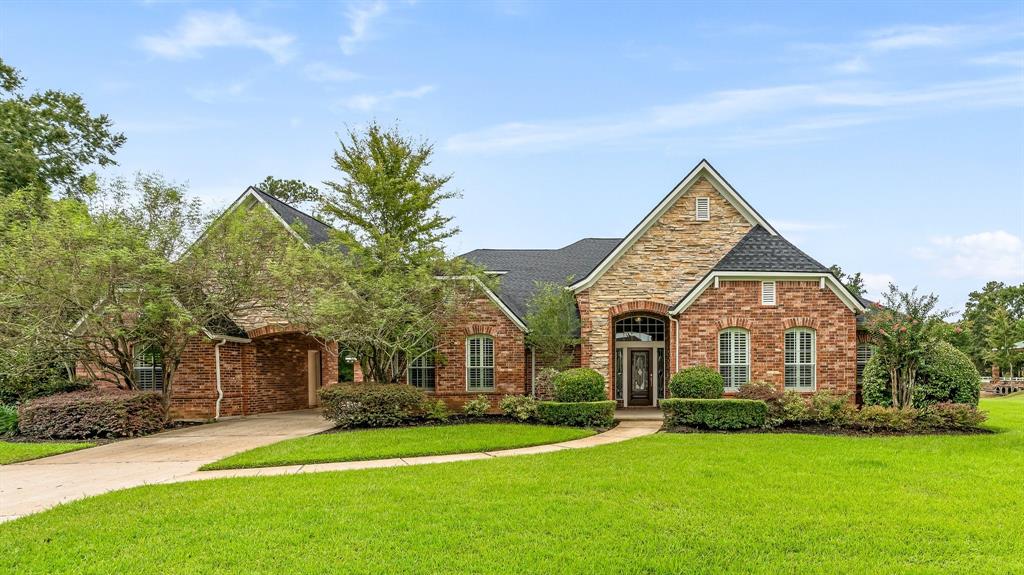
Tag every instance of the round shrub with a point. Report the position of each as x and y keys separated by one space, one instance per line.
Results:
x=519 y=407
x=93 y=413
x=476 y=407
x=579 y=384
x=699 y=382
x=8 y=420
x=946 y=374
x=371 y=404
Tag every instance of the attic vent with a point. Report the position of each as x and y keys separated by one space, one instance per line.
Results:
x=703 y=209
x=767 y=293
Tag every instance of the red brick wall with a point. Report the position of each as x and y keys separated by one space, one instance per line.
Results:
x=799 y=304
x=511 y=362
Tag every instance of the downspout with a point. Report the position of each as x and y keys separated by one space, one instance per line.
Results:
x=533 y=371
x=220 y=390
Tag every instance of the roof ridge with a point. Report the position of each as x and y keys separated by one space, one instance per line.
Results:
x=284 y=203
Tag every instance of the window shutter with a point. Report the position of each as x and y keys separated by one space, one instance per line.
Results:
x=767 y=293
x=703 y=209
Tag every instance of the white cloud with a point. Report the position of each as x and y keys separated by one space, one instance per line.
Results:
x=906 y=37
x=1009 y=59
x=326 y=73
x=854 y=65
x=819 y=108
x=876 y=283
x=367 y=102
x=231 y=92
x=360 y=19
x=997 y=255
x=200 y=30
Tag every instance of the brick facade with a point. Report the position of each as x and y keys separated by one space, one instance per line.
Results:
x=659 y=268
x=481 y=316
x=798 y=304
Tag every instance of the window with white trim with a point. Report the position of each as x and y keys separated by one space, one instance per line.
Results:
x=768 y=293
x=800 y=359
x=422 y=371
x=480 y=363
x=703 y=209
x=149 y=369
x=864 y=353
x=734 y=357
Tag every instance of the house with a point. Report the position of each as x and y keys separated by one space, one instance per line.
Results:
x=245 y=365
x=703 y=279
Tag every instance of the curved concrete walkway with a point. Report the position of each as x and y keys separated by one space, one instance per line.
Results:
x=36 y=485
x=175 y=456
x=624 y=430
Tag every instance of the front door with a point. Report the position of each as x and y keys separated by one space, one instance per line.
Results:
x=641 y=377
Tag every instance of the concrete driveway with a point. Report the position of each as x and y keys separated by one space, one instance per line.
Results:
x=37 y=485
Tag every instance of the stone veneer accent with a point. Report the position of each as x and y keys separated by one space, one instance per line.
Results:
x=660 y=267
x=799 y=304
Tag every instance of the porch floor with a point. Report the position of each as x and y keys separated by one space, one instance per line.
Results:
x=639 y=414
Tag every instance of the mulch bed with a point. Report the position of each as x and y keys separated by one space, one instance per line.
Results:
x=99 y=440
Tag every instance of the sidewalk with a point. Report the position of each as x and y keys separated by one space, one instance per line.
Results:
x=625 y=430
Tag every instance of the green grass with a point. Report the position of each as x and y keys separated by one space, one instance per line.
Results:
x=670 y=503
x=401 y=442
x=15 y=452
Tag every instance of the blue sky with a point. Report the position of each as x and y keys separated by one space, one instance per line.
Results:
x=886 y=138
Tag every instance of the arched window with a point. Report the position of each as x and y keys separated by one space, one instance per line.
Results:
x=640 y=328
x=422 y=371
x=480 y=363
x=801 y=358
x=149 y=369
x=734 y=357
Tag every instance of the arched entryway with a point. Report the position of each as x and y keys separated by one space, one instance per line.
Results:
x=639 y=359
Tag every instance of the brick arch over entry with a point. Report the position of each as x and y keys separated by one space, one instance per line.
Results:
x=274 y=329
x=638 y=306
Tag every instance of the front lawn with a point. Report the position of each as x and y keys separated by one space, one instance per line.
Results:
x=401 y=442
x=668 y=503
x=14 y=452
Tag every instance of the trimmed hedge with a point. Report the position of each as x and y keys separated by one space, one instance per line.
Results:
x=714 y=413
x=93 y=413
x=698 y=382
x=577 y=414
x=946 y=375
x=579 y=384
x=372 y=404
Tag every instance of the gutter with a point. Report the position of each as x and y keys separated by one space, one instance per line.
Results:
x=220 y=390
x=675 y=322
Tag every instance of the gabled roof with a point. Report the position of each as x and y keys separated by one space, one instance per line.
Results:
x=761 y=251
x=702 y=169
x=318 y=231
x=520 y=270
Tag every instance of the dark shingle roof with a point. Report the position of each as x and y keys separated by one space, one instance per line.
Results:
x=760 y=251
x=524 y=268
x=318 y=231
x=224 y=325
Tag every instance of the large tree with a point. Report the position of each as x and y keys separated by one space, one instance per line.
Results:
x=904 y=328
x=97 y=282
x=853 y=282
x=384 y=288
x=1002 y=334
x=49 y=141
x=979 y=311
